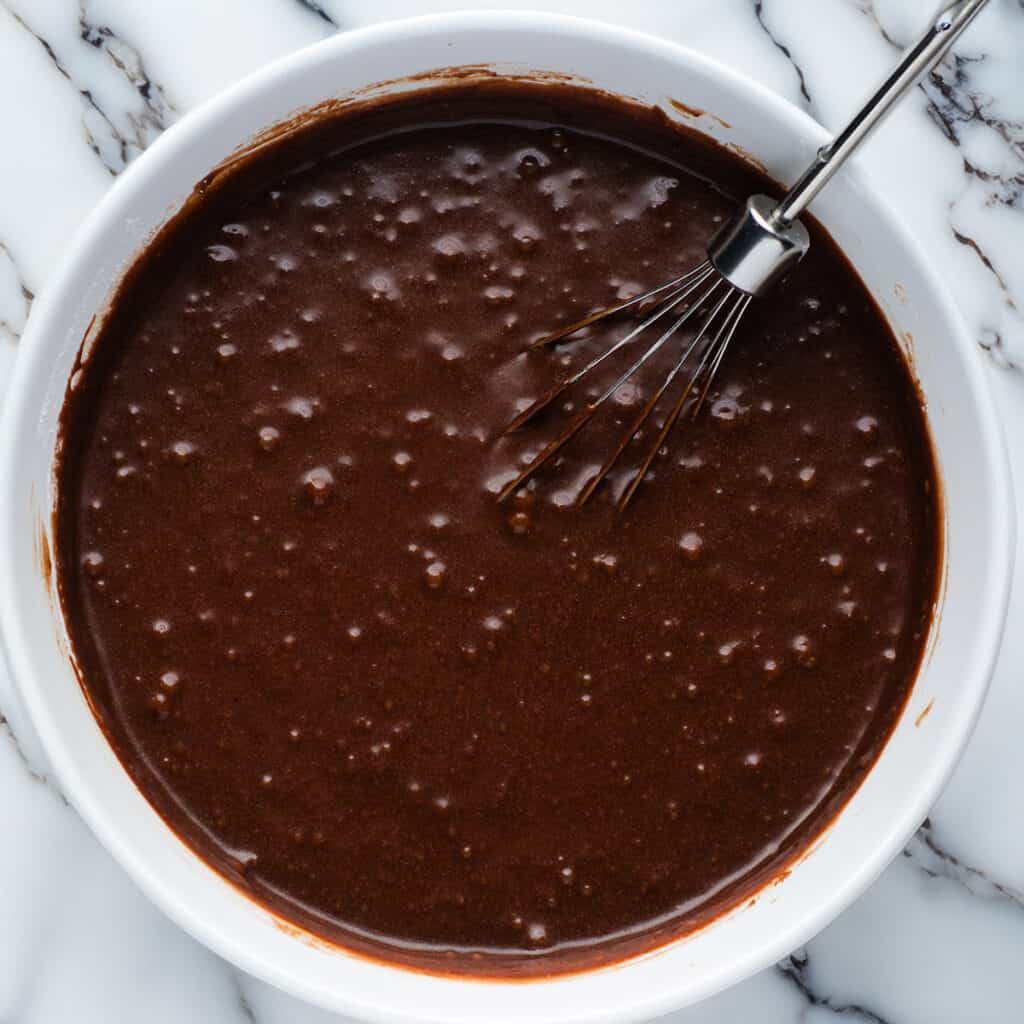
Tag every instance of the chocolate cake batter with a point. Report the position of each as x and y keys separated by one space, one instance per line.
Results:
x=456 y=734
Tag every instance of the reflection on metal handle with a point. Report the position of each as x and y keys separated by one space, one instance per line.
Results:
x=945 y=28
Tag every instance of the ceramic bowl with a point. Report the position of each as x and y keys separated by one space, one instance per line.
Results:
x=978 y=526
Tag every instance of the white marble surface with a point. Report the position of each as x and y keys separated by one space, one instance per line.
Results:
x=85 y=85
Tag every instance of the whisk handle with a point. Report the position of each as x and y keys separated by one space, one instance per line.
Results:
x=944 y=29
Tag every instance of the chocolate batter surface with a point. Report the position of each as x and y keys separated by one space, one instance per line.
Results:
x=455 y=734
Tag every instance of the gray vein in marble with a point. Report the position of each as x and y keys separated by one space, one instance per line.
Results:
x=38 y=777
x=806 y=100
x=13 y=330
x=85 y=94
x=796 y=970
x=158 y=111
x=868 y=7
x=318 y=11
x=954 y=107
x=113 y=146
x=927 y=854
x=26 y=293
x=972 y=244
x=248 y=1013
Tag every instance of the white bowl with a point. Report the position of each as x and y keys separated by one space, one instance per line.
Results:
x=946 y=697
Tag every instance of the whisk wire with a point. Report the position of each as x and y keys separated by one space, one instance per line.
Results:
x=670 y=302
x=653 y=349
x=577 y=423
x=702 y=270
x=710 y=361
x=650 y=405
x=736 y=313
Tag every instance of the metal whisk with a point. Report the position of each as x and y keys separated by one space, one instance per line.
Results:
x=745 y=259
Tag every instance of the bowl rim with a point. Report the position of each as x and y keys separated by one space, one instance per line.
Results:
x=17 y=414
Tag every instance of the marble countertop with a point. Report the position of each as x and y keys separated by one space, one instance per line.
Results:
x=86 y=85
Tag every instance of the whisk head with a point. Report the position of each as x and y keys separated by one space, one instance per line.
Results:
x=700 y=290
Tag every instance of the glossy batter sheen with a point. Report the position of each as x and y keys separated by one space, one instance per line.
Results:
x=472 y=737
